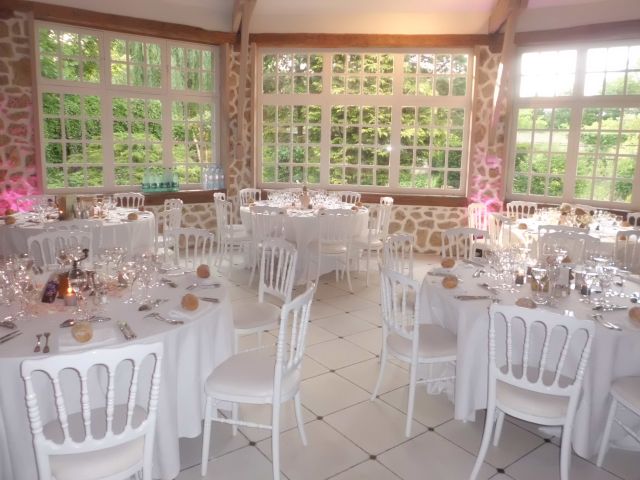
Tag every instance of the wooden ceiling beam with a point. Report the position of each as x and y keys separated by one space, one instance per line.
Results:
x=502 y=11
x=342 y=40
x=118 y=23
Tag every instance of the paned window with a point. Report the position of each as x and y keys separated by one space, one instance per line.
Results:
x=113 y=106
x=368 y=120
x=577 y=126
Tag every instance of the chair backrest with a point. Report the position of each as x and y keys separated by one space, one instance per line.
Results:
x=349 y=197
x=518 y=209
x=247 y=196
x=579 y=245
x=634 y=219
x=386 y=200
x=477 y=214
x=170 y=203
x=294 y=321
x=129 y=199
x=538 y=350
x=627 y=250
x=92 y=409
x=220 y=196
x=397 y=253
x=400 y=297
x=192 y=246
x=29 y=203
x=44 y=247
x=499 y=227
x=460 y=242
x=336 y=226
x=224 y=211
x=546 y=229
x=266 y=224
x=170 y=219
x=277 y=269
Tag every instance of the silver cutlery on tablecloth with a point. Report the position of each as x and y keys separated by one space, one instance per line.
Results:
x=10 y=336
x=157 y=316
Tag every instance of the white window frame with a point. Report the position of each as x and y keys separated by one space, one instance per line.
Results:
x=576 y=102
x=106 y=92
x=396 y=101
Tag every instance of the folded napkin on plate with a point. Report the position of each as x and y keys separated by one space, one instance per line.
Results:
x=103 y=335
x=442 y=271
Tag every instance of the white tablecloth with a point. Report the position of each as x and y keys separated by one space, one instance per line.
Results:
x=614 y=354
x=137 y=236
x=191 y=352
x=301 y=229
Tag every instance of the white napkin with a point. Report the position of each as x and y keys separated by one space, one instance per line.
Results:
x=102 y=335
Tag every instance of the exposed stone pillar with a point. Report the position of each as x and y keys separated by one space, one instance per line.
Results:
x=18 y=169
x=486 y=169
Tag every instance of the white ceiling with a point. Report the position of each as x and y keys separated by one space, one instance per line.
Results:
x=366 y=16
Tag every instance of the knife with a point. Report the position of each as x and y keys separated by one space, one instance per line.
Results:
x=438 y=274
x=471 y=297
x=210 y=299
x=10 y=336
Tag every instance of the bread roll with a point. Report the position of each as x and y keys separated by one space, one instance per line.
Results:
x=82 y=331
x=9 y=211
x=525 y=302
x=634 y=316
x=203 y=271
x=132 y=216
x=141 y=208
x=10 y=220
x=450 y=281
x=522 y=226
x=190 y=302
x=448 y=262
x=567 y=259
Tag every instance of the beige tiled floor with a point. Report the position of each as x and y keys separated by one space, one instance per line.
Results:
x=351 y=438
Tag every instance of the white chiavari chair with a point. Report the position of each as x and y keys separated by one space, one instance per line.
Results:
x=266 y=223
x=627 y=250
x=231 y=237
x=129 y=199
x=407 y=340
x=477 y=215
x=461 y=242
x=634 y=219
x=111 y=436
x=397 y=253
x=192 y=247
x=335 y=241
x=45 y=246
x=531 y=376
x=373 y=239
x=349 y=197
x=579 y=245
x=518 y=209
x=248 y=196
x=260 y=378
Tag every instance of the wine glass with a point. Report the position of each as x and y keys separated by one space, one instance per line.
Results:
x=538 y=273
x=590 y=280
x=77 y=281
x=129 y=271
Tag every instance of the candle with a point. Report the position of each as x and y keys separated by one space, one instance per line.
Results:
x=70 y=299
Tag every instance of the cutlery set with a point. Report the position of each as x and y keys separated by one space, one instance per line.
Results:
x=157 y=316
x=38 y=346
x=203 y=285
x=600 y=319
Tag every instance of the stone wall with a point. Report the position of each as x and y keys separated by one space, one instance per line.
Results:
x=18 y=169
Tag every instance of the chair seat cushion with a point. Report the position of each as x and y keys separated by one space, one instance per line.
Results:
x=98 y=463
x=333 y=249
x=362 y=242
x=248 y=377
x=627 y=391
x=541 y=405
x=253 y=315
x=434 y=342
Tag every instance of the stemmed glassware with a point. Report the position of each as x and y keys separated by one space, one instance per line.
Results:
x=130 y=270
x=538 y=274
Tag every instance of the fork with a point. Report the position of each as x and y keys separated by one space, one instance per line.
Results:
x=600 y=319
x=202 y=285
x=37 y=347
x=157 y=316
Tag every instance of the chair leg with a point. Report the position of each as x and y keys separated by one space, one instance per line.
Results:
x=347 y=260
x=300 y=419
x=486 y=438
x=368 y=260
x=275 y=440
x=412 y=397
x=383 y=363
x=234 y=417
x=565 y=450
x=498 y=432
x=604 y=445
x=206 y=436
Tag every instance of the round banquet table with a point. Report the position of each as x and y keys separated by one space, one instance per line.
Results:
x=614 y=354
x=301 y=229
x=116 y=230
x=191 y=352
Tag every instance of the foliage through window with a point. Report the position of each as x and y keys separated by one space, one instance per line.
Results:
x=113 y=106
x=372 y=120
x=577 y=125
